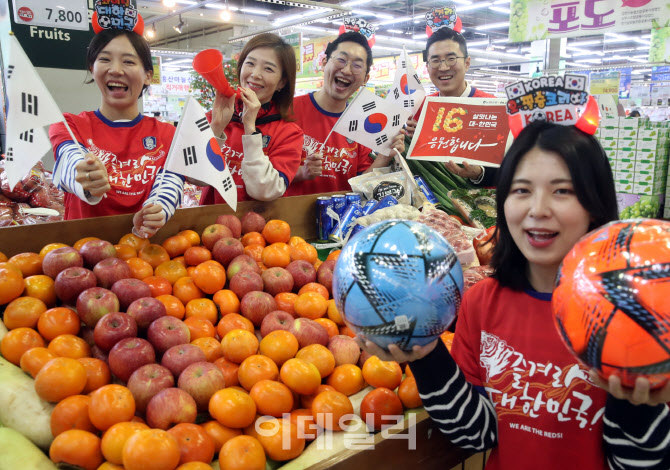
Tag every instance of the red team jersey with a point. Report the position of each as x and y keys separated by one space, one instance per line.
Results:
x=342 y=158
x=549 y=413
x=282 y=143
x=132 y=151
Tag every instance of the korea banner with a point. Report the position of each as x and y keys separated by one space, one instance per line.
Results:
x=407 y=91
x=196 y=153
x=30 y=108
x=372 y=121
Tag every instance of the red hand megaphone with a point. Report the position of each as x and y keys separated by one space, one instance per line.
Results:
x=209 y=64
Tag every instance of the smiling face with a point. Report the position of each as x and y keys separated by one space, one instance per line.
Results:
x=543 y=214
x=449 y=80
x=345 y=72
x=120 y=76
x=262 y=72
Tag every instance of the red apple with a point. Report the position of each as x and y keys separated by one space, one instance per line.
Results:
x=112 y=328
x=129 y=290
x=232 y=222
x=277 y=320
x=256 y=305
x=324 y=275
x=86 y=333
x=110 y=270
x=98 y=353
x=179 y=357
x=73 y=281
x=146 y=310
x=95 y=251
x=227 y=249
x=252 y=222
x=214 y=233
x=277 y=280
x=128 y=355
x=244 y=282
x=364 y=357
x=201 y=380
x=146 y=382
x=169 y=407
x=344 y=349
x=167 y=331
x=242 y=263
x=303 y=273
x=308 y=332
x=94 y=303
x=59 y=259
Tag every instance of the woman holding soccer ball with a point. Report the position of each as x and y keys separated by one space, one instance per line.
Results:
x=510 y=384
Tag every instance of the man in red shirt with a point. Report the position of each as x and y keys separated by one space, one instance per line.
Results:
x=328 y=168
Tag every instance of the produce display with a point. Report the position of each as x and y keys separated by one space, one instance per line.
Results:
x=441 y=181
x=476 y=206
x=151 y=356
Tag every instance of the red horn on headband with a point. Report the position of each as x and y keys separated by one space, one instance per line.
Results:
x=590 y=118
x=209 y=64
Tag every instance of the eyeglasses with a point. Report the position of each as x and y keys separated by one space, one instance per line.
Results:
x=357 y=66
x=436 y=63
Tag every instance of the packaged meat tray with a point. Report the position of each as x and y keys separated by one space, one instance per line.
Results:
x=451 y=230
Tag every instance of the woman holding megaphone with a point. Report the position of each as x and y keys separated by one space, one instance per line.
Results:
x=262 y=148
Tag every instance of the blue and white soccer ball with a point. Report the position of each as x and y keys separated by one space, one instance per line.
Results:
x=399 y=282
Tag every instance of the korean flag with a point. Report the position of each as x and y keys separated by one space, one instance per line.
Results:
x=407 y=91
x=514 y=90
x=372 y=121
x=574 y=82
x=196 y=153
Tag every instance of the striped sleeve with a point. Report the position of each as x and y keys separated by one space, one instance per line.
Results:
x=464 y=415
x=167 y=193
x=68 y=154
x=636 y=437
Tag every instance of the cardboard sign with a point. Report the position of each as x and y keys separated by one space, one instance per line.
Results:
x=461 y=129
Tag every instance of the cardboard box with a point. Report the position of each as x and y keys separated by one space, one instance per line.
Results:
x=611 y=153
x=609 y=144
x=627 y=133
x=623 y=186
x=608 y=133
x=625 y=165
x=625 y=153
x=609 y=122
x=632 y=122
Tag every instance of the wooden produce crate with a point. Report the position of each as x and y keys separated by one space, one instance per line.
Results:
x=433 y=450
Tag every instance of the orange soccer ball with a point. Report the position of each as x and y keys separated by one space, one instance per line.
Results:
x=611 y=300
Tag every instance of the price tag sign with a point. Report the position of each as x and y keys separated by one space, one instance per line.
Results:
x=64 y=14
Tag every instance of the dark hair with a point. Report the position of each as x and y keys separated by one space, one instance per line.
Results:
x=446 y=34
x=283 y=97
x=591 y=178
x=352 y=36
x=634 y=113
x=104 y=37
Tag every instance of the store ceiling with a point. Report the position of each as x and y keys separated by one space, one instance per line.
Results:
x=399 y=22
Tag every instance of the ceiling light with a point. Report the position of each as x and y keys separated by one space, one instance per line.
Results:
x=502 y=24
x=500 y=10
x=225 y=15
x=179 y=26
x=489 y=46
x=255 y=11
x=474 y=7
x=152 y=32
x=169 y=3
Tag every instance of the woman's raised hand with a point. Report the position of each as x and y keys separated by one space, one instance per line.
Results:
x=148 y=220
x=92 y=175
x=251 y=108
x=222 y=112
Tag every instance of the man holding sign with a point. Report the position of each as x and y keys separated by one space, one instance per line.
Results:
x=328 y=165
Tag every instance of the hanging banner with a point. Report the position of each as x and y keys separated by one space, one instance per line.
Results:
x=314 y=56
x=156 y=79
x=295 y=41
x=659 y=51
x=625 y=82
x=461 y=129
x=531 y=20
x=604 y=83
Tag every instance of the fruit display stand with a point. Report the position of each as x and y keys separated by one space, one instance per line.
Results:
x=432 y=451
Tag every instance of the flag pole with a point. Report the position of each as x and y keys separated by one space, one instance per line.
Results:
x=338 y=120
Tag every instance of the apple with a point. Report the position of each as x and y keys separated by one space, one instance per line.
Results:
x=110 y=270
x=128 y=355
x=112 y=328
x=94 y=303
x=364 y=357
x=242 y=263
x=146 y=310
x=277 y=320
x=98 y=353
x=73 y=281
x=256 y=305
x=324 y=275
x=179 y=357
x=86 y=333
x=308 y=332
x=303 y=273
x=226 y=249
x=167 y=331
x=214 y=233
x=129 y=290
x=146 y=382
x=169 y=407
x=232 y=222
x=277 y=280
x=201 y=380
x=95 y=251
x=59 y=259
x=252 y=222
x=344 y=349
x=244 y=282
